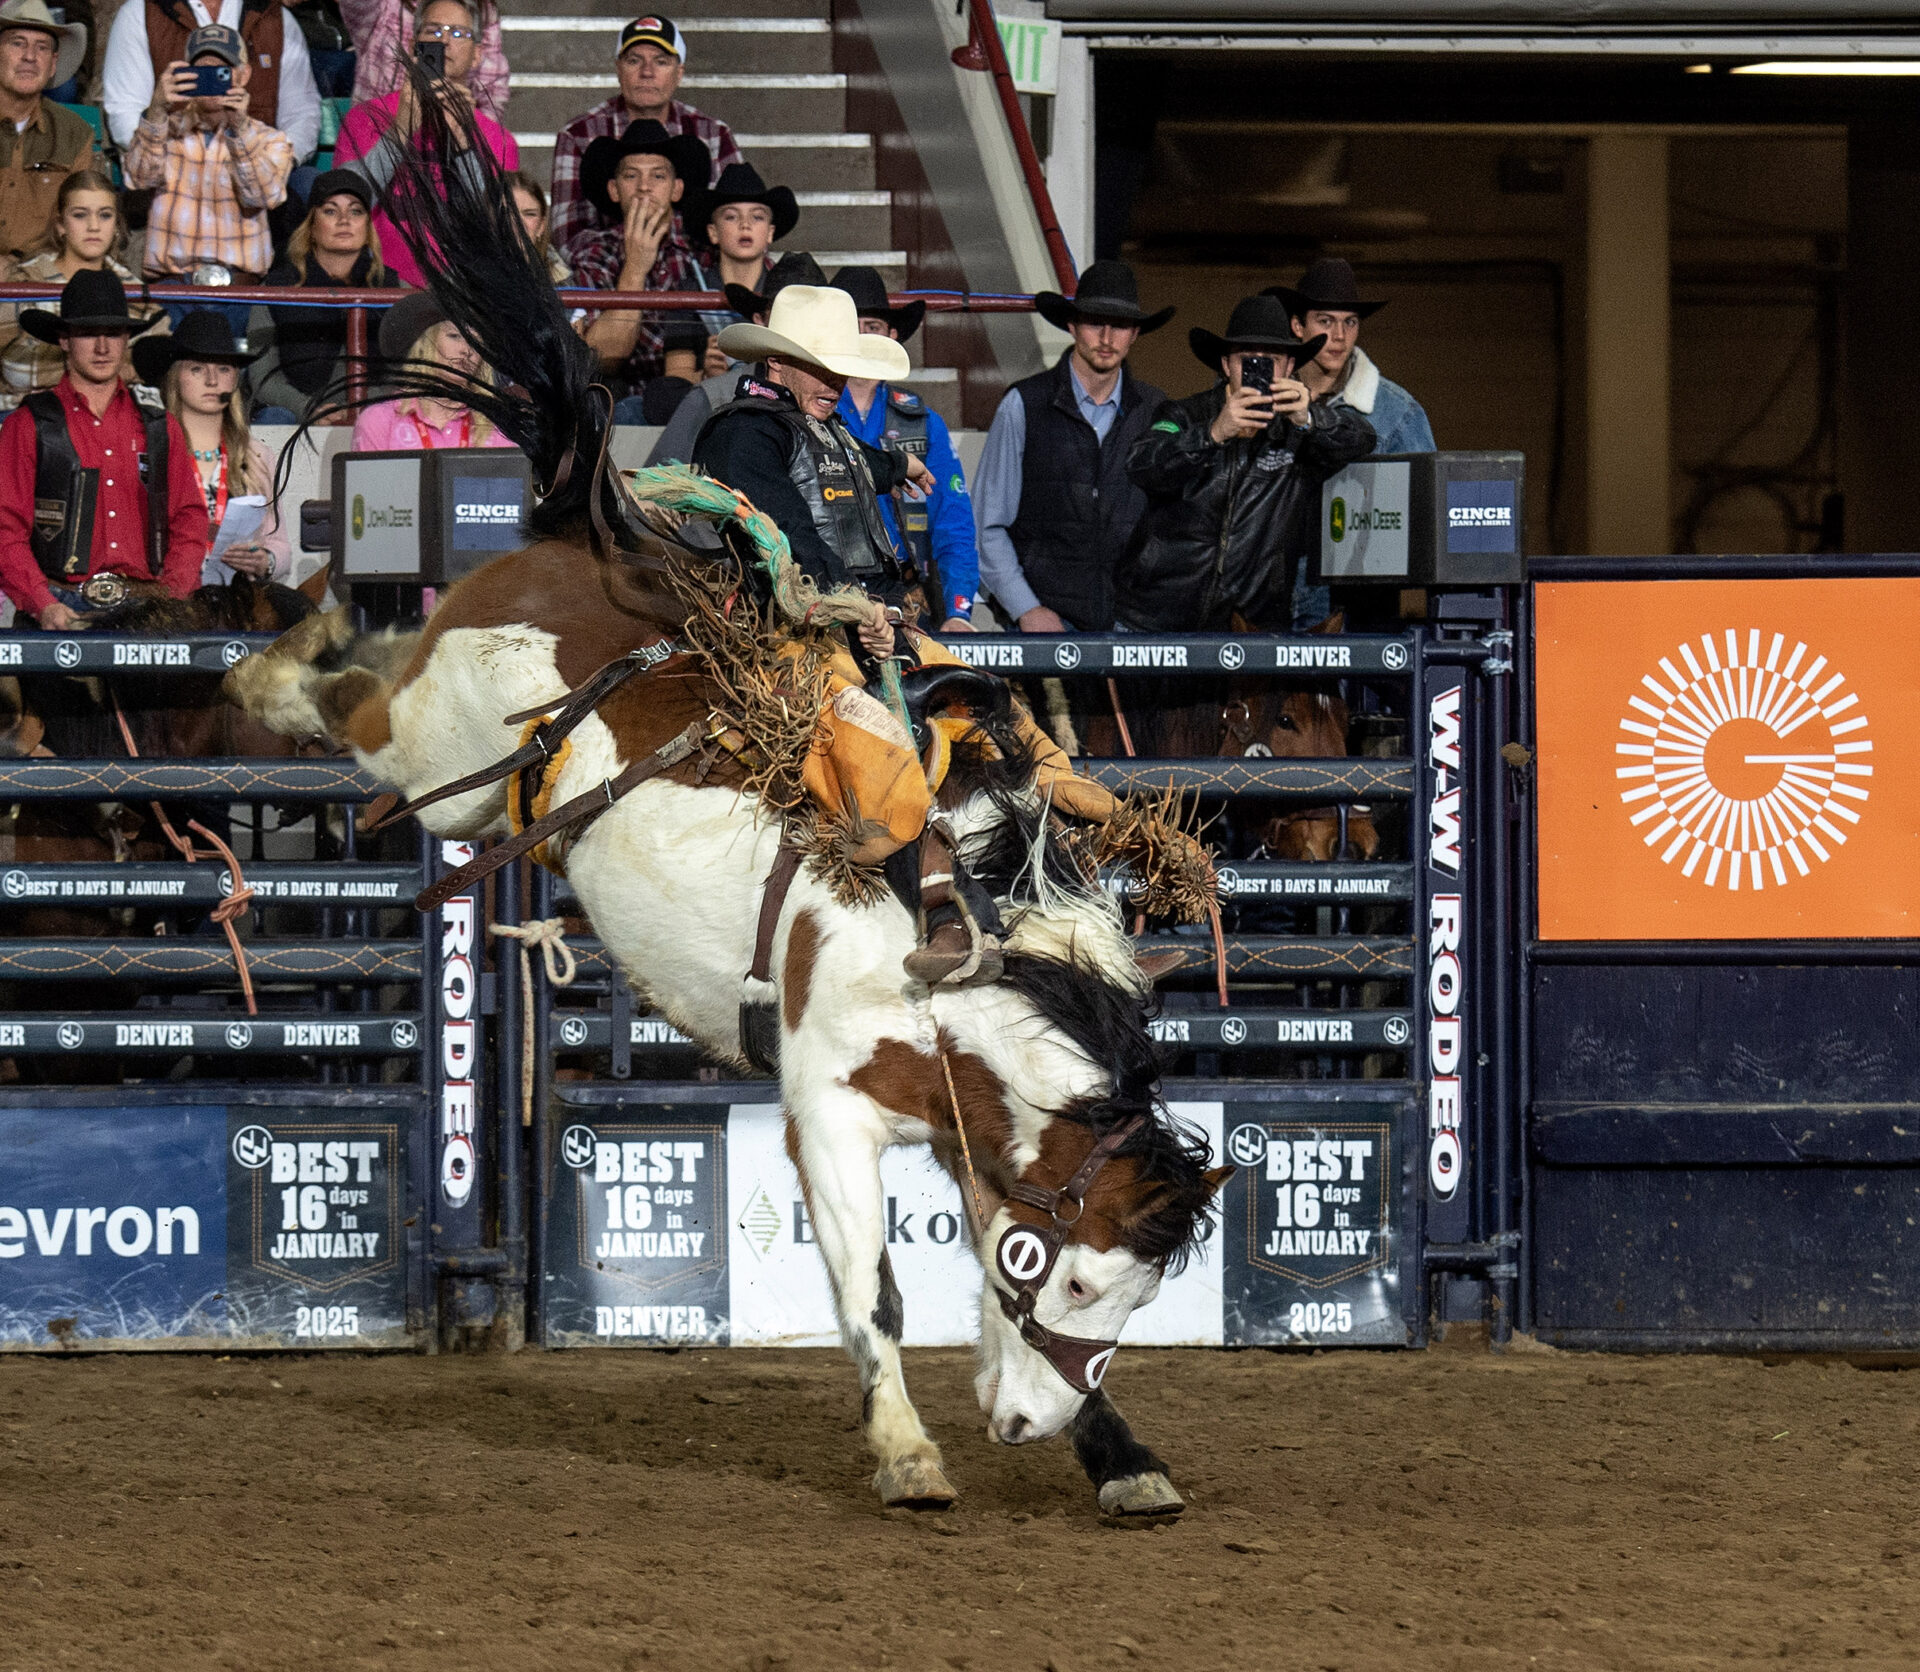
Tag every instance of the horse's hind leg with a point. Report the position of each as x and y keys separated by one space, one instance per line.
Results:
x=1128 y=1477
x=839 y=1164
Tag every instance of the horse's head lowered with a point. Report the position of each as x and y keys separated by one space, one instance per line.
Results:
x=1112 y=1194
x=1066 y=1266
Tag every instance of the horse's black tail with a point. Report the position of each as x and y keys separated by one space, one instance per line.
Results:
x=447 y=196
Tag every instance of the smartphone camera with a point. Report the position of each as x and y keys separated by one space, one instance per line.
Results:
x=212 y=81
x=433 y=57
x=1256 y=373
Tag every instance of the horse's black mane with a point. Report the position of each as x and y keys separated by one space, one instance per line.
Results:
x=1107 y=1022
x=456 y=215
x=1109 y=1025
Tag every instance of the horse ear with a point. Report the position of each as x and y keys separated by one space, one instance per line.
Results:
x=1217 y=1176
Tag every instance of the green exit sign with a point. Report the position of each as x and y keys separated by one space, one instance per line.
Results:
x=1033 y=52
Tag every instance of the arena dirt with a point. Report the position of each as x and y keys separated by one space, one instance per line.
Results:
x=1445 y=1510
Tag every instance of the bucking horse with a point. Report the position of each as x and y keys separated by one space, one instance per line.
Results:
x=676 y=801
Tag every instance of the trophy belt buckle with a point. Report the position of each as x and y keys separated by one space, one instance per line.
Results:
x=104 y=592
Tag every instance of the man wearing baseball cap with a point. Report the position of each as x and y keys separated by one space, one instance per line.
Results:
x=215 y=171
x=650 y=60
x=147 y=36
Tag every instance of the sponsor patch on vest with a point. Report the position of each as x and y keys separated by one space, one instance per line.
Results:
x=753 y=386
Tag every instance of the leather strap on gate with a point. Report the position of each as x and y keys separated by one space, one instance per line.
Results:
x=574 y=815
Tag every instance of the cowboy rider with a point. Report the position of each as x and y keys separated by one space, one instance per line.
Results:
x=782 y=442
x=94 y=489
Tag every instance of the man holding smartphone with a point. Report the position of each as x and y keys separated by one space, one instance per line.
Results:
x=1232 y=478
x=215 y=172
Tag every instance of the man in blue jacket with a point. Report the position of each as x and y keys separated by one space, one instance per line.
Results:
x=935 y=534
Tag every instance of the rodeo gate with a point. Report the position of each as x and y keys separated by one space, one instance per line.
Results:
x=1608 y=1037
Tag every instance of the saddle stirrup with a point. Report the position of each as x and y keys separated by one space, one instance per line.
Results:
x=954 y=951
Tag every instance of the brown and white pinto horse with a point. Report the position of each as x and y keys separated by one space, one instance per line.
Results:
x=1043 y=1065
x=1047 y=1068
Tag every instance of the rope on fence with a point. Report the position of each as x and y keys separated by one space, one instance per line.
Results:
x=547 y=934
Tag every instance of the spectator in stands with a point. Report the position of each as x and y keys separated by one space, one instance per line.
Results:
x=933 y=531
x=745 y=218
x=373 y=135
x=148 y=37
x=675 y=445
x=650 y=60
x=531 y=203
x=197 y=369
x=1054 y=503
x=415 y=330
x=145 y=529
x=642 y=175
x=1232 y=477
x=334 y=248
x=384 y=33
x=41 y=143
x=218 y=171
x=88 y=231
x=1326 y=303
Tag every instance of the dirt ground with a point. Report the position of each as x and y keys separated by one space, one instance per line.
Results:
x=1447 y=1510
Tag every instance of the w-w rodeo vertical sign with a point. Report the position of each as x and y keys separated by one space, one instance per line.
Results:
x=455 y=1060
x=1443 y=830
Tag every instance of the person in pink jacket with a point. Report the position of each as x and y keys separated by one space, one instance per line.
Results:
x=383 y=33
x=373 y=133
x=415 y=329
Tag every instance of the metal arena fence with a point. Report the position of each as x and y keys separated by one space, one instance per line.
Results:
x=485 y=1089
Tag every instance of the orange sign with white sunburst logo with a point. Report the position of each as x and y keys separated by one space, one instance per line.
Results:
x=1728 y=760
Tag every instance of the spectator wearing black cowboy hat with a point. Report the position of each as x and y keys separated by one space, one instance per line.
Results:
x=1054 y=506
x=933 y=529
x=642 y=176
x=1326 y=303
x=197 y=371
x=1232 y=478
x=141 y=515
x=744 y=218
x=700 y=403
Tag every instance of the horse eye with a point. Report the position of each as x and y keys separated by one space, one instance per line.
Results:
x=1286 y=723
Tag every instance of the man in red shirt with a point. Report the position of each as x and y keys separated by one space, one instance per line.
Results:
x=90 y=483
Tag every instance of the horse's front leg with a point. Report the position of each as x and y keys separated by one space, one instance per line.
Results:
x=1128 y=1477
x=836 y=1147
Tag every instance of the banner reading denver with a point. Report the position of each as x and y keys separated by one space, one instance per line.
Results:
x=1728 y=760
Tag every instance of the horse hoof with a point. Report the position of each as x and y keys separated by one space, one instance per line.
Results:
x=1141 y=1495
x=914 y=1483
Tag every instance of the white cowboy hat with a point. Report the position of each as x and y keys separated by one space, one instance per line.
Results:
x=818 y=326
x=70 y=38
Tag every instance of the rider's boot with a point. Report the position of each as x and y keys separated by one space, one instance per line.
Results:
x=954 y=951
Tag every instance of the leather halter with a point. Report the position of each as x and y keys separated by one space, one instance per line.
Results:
x=1025 y=1258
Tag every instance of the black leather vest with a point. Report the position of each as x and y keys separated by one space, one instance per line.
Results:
x=1077 y=507
x=65 y=492
x=825 y=464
